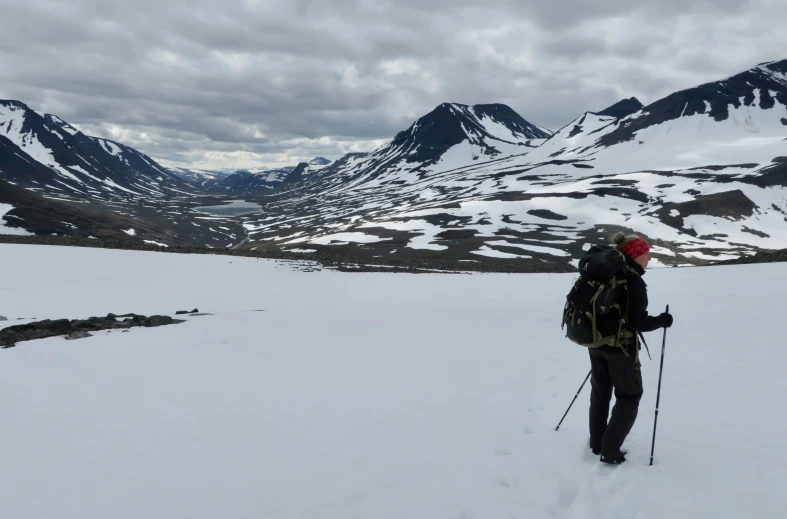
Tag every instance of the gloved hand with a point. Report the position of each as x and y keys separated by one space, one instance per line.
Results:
x=664 y=320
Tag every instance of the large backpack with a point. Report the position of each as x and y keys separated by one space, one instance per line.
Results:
x=597 y=306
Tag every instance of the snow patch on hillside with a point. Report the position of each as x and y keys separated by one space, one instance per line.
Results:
x=6 y=229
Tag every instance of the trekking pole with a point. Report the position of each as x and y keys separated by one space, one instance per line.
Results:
x=572 y=402
x=658 y=394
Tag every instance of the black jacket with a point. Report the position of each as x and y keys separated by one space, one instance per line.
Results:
x=638 y=318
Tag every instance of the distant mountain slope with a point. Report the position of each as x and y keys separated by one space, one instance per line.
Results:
x=763 y=87
x=319 y=161
x=75 y=164
x=622 y=108
x=33 y=214
x=449 y=137
x=700 y=172
x=489 y=130
x=245 y=182
x=198 y=176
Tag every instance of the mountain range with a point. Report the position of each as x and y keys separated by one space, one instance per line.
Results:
x=701 y=173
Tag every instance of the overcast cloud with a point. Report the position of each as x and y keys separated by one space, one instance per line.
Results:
x=272 y=82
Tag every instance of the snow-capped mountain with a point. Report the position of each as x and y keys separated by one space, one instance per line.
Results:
x=701 y=173
x=47 y=166
x=484 y=130
x=319 y=161
x=450 y=136
x=74 y=164
x=198 y=177
x=246 y=181
x=230 y=171
x=622 y=108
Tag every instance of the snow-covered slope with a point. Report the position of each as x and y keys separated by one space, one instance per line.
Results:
x=7 y=229
x=251 y=181
x=700 y=172
x=405 y=396
x=244 y=181
x=198 y=176
x=320 y=161
x=43 y=152
x=451 y=136
x=491 y=130
x=91 y=187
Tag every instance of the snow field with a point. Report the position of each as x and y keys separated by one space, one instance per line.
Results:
x=374 y=395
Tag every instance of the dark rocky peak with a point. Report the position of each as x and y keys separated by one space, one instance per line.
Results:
x=239 y=175
x=14 y=103
x=345 y=159
x=15 y=117
x=622 y=108
x=31 y=119
x=56 y=121
x=774 y=67
x=452 y=123
x=296 y=174
x=506 y=116
x=440 y=128
x=762 y=86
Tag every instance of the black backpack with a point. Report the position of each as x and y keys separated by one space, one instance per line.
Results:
x=597 y=306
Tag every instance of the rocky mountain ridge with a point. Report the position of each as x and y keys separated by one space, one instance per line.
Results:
x=700 y=172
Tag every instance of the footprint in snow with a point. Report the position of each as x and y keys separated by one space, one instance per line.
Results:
x=503 y=482
x=503 y=452
x=567 y=494
x=528 y=430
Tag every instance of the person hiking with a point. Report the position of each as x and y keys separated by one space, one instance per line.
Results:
x=618 y=367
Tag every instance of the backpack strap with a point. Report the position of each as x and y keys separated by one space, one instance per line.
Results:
x=624 y=319
x=593 y=306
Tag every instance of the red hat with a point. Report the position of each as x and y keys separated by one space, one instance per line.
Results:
x=632 y=246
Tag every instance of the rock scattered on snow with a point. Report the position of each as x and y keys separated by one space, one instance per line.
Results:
x=77 y=335
x=78 y=328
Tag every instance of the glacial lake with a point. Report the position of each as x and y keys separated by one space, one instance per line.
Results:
x=234 y=208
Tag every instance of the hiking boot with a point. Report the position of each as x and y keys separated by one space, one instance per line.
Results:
x=615 y=458
x=596 y=450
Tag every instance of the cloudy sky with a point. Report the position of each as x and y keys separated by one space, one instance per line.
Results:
x=272 y=82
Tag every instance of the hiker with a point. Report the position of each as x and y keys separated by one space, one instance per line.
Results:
x=618 y=367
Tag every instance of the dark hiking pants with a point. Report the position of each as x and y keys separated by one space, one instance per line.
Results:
x=610 y=368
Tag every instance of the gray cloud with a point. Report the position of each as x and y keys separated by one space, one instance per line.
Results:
x=277 y=81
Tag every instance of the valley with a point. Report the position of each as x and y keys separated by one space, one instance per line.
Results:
x=701 y=173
